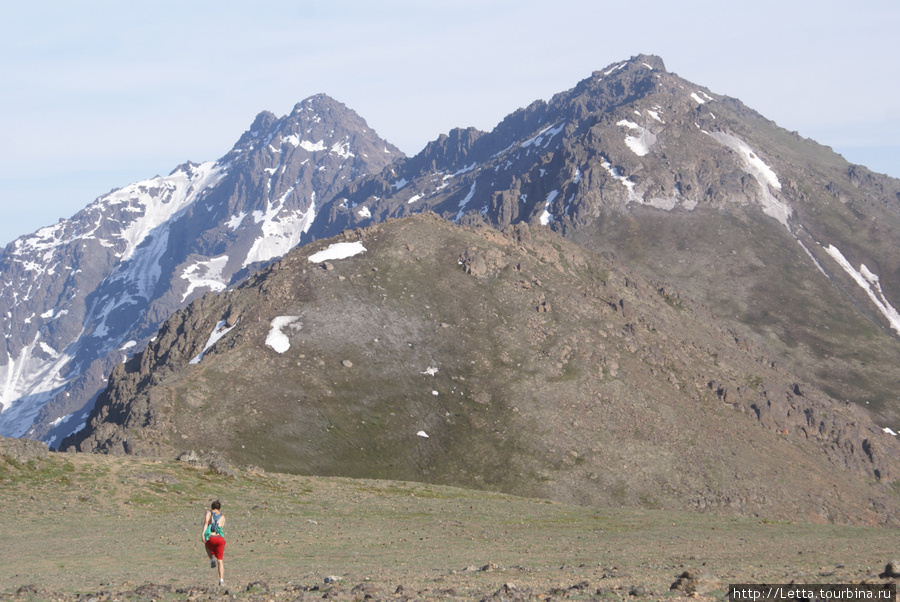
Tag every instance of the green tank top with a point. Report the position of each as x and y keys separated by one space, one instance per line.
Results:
x=214 y=528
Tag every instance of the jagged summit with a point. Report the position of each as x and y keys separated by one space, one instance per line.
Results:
x=318 y=103
x=318 y=123
x=82 y=294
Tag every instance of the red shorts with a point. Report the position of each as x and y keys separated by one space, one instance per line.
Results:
x=216 y=546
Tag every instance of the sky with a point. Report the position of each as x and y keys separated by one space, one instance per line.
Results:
x=95 y=95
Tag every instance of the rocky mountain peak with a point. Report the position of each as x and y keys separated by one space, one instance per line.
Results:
x=640 y=162
x=91 y=290
x=316 y=124
x=319 y=104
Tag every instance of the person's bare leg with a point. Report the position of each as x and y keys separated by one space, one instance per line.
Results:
x=221 y=563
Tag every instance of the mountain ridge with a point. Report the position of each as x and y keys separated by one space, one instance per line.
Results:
x=774 y=233
x=140 y=251
x=513 y=361
x=634 y=149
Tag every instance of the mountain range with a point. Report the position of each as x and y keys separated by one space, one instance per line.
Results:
x=81 y=295
x=690 y=192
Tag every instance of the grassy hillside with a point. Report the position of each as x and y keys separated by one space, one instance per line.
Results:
x=78 y=524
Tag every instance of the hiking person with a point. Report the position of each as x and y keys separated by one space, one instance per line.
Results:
x=214 y=538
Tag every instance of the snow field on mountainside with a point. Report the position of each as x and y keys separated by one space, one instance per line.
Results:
x=281 y=231
x=28 y=383
x=183 y=188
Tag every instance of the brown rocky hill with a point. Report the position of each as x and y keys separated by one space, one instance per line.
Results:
x=777 y=234
x=513 y=361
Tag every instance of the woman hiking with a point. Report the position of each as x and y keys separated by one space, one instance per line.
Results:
x=214 y=538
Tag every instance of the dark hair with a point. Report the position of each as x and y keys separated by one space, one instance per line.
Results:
x=216 y=505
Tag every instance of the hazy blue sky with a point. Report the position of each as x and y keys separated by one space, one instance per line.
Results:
x=98 y=94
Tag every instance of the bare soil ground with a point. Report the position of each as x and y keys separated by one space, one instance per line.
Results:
x=78 y=526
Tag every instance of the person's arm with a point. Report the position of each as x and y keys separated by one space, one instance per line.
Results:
x=206 y=519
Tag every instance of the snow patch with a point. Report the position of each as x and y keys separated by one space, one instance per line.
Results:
x=549 y=132
x=870 y=283
x=342 y=149
x=814 y=260
x=61 y=420
x=546 y=217
x=276 y=339
x=49 y=350
x=312 y=146
x=465 y=169
x=640 y=144
x=465 y=201
x=205 y=274
x=295 y=141
x=338 y=250
x=217 y=333
x=762 y=173
x=632 y=195
x=236 y=220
